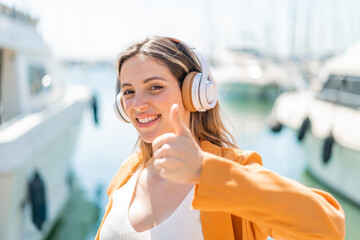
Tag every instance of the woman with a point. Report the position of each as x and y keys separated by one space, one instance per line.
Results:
x=188 y=180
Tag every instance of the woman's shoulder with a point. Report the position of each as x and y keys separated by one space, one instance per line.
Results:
x=244 y=157
x=126 y=170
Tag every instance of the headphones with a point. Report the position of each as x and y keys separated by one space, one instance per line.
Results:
x=199 y=90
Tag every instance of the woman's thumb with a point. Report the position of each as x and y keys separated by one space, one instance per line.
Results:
x=178 y=124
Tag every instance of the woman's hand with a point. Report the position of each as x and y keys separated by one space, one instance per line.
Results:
x=177 y=156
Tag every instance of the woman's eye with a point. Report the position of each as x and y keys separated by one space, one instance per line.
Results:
x=127 y=92
x=156 y=87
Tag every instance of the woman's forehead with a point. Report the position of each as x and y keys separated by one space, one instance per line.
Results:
x=141 y=68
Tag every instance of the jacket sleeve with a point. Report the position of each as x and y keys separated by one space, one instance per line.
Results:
x=277 y=206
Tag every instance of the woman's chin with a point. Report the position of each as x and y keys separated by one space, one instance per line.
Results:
x=151 y=136
x=148 y=139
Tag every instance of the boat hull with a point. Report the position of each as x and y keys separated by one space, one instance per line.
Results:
x=44 y=143
x=330 y=136
x=341 y=172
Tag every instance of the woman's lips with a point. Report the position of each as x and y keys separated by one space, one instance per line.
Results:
x=147 y=121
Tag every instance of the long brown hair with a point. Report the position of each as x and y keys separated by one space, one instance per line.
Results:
x=180 y=61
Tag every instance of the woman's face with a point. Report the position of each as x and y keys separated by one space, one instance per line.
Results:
x=149 y=90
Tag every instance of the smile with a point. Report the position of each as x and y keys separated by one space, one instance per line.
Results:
x=148 y=119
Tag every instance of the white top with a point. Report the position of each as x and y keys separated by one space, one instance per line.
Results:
x=183 y=223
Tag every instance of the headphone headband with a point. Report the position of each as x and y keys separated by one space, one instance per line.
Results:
x=203 y=103
x=200 y=59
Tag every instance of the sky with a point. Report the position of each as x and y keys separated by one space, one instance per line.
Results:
x=101 y=29
x=94 y=29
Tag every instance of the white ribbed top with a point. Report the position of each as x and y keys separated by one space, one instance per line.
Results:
x=182 y=224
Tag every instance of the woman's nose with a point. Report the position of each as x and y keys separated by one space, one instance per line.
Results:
x=140 y=103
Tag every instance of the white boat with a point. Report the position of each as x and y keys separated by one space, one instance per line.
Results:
x=328 y=123
x=39 y=124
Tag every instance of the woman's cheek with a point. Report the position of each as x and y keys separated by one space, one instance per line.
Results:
x=127 y=107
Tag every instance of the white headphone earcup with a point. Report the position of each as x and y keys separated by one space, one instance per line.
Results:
x=208 y=93
x=119 y=109
x=197 y=95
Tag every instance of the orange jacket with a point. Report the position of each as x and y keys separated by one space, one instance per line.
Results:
x=240 y=199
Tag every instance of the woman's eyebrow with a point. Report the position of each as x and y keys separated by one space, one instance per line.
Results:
x=145 y=81
x=125 y=85
x=154 y=78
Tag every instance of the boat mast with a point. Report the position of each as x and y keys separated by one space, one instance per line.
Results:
x=1 y=59
x=293 y=16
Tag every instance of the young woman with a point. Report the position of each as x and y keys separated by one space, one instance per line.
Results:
x=188 y=180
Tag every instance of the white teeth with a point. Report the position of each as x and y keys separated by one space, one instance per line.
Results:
x=148 y=119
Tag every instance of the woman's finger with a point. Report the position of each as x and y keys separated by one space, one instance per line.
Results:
x=166 y=163
x=163 y=151
x=163 y=139
x=163 y=172
x=159 y=163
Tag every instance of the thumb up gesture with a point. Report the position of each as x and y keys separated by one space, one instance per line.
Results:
x=177 y=156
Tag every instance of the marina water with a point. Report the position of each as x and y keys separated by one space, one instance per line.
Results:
x=101 y=150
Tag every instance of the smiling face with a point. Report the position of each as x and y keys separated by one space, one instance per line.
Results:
x=149 y=90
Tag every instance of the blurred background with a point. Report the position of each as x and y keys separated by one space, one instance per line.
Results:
x=288 y=73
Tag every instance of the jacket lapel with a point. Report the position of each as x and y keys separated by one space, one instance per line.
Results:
x=125 y=172
x=215 y=225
